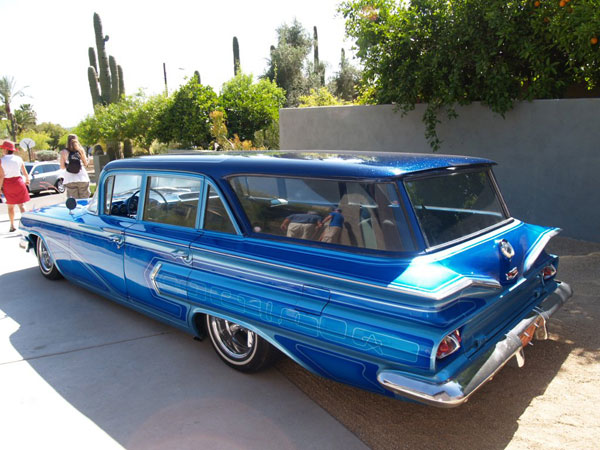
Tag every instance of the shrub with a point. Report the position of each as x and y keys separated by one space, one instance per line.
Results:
x=46 y=155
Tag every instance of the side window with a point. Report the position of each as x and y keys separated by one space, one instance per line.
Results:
x=54 y=167
x=122 y=194
x=216 y=217
x=172 y=200
x=38 y=170
x=354 y=214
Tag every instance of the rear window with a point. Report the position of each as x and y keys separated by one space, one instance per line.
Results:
x=348 y=213
x=455 y=204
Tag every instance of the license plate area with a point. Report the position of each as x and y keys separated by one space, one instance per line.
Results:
x=527 y=335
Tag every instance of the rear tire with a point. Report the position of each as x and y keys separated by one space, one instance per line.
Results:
x=45 y=262
x=59 y=186
x=238 y=347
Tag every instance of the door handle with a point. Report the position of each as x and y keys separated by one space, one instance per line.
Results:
x=117 y=239
x=184 y=255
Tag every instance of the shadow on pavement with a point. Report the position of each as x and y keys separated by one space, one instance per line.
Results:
x=143 y=383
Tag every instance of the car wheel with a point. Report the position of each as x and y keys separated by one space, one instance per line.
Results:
x=239 y=347
x=59 y=186
x=47 y=266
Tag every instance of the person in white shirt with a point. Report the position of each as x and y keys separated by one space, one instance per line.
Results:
x=74 y=162
x=13 y=180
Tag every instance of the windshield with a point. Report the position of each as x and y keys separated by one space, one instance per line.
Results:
x=454 y=204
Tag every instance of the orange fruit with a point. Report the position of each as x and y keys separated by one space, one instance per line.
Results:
x=594 y=40
x=537 y=4
x=562 y=3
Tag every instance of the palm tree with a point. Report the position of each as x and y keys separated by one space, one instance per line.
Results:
x=8 y=91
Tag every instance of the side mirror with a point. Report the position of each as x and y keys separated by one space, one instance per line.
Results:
x=71 y=204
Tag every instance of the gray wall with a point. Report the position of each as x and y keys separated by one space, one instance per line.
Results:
x=548 y=151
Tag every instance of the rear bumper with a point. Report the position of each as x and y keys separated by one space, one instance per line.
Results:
x=457 y=390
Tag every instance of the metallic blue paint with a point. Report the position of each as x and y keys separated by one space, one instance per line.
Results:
x=347 y=315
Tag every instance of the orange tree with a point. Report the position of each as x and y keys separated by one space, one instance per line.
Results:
x=447 y=53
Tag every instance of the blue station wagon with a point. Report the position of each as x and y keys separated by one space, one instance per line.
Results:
x=401 y=274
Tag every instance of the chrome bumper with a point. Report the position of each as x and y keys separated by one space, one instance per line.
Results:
x=457 y=390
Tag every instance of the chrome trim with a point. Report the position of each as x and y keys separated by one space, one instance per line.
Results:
x=457 y=390
x=538 y=246
x=460 y=283
x=153 y=275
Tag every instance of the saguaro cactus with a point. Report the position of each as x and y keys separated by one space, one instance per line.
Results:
x=104 y=71
x=318 y=67
x=236 y=56
x=197 y=75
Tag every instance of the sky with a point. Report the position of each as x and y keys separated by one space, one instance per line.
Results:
x=45 y=49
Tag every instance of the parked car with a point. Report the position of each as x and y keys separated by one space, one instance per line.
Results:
x=44 y=176
x=401 y=274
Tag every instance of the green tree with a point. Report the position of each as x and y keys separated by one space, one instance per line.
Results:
x=8 y=92
x=42 y=140
x=185 y=119
x=287 y=63
x=453 y=53
x=321 y=97
x=25 y=118
x=54 y=131
x=250 y=106
x=345 y=82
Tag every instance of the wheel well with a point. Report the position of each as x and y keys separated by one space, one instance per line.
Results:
x=34 y=238
x=199 y=325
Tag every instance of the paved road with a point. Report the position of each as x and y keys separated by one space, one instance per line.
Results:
x=79 y=371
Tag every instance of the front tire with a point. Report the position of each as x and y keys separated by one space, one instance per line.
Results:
x=238 y=347
x=45 y=262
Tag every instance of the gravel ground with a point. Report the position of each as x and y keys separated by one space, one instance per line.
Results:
x=550 y=403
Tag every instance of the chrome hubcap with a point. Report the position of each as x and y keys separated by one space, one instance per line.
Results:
x=236 y=341
x=44 y=257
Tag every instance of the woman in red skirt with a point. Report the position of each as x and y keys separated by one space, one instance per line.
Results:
x=11 y=181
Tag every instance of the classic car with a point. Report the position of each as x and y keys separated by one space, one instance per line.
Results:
x=402 y=274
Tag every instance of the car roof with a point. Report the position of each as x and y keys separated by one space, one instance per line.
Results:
x=309 y=163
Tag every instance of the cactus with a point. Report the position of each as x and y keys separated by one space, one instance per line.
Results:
x=197 y=76
x=104 y=70
x=92 y=56
x=114 y=80
x=121 y=82
x=318 y=68
x=93 y=79
x=236 y=56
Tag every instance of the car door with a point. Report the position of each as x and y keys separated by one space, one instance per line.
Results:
x=157 y=247
x=37 y=178
x=97 y=236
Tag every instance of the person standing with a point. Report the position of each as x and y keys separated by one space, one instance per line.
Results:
x=335 y=221
x=74 y=162
x=12 y=173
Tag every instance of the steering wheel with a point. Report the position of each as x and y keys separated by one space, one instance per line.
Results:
x=133 y=201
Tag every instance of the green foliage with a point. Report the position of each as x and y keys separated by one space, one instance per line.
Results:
x=54 y=131
x=185 y=119
x=46 y=155
x=453 y=53
x=134 y=118
x=8 y=91
x=250 y=106
x=25 y=118
x=321 y=97
x=345 y=82
x=287 y=61
x=41 y=139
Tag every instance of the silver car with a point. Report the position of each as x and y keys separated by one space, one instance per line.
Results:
x=45 y=176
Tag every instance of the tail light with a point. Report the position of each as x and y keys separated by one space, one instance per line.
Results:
x=548 y=272
x=449 y=345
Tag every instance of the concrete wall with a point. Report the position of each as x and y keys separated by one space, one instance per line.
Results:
x=548 y=151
